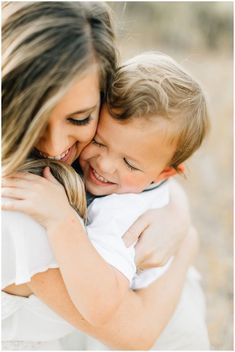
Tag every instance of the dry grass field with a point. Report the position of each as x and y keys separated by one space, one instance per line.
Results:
x=209 y=187
x=199 y=36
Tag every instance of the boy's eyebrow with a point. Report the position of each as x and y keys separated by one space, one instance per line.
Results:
x=82 y=111
x=97 y=134
x=126 y=156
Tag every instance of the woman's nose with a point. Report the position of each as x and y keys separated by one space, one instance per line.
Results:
x=54 y=140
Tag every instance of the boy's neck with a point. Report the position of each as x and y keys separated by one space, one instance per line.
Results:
x=90 y=197
x=154 y=185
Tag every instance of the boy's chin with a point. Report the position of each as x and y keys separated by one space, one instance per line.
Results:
x=96 y=191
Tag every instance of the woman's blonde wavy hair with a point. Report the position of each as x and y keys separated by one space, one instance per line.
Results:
x=46 y=46
x=66 y=175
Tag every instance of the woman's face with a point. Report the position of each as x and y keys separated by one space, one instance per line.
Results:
x=73 y=121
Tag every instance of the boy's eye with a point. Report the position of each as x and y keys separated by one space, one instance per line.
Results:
x=83 y=122
x=132 y=168
x=97 y=143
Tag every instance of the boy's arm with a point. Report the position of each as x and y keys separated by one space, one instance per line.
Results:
x=160 y=232
x=95 y=287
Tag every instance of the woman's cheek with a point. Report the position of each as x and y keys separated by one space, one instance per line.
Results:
x=87 y=135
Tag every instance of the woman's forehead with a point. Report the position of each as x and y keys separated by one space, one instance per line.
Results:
x=83 y=94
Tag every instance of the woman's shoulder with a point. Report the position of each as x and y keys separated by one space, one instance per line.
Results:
x=25 y=248
x=14 y=222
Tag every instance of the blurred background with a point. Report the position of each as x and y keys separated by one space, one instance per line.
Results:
x=199 y=35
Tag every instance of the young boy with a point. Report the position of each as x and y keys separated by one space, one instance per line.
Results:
x=154 y=118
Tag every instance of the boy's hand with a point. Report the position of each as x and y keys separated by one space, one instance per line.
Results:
x=43 y=198
x=160 y=232
x=189 y=247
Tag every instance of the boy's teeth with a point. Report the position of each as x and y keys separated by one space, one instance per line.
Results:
x=101 y=178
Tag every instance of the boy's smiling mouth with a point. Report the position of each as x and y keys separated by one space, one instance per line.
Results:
x=98 y=179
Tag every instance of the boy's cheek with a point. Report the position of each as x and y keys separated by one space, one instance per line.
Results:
x=82 y=163
x=132 y=184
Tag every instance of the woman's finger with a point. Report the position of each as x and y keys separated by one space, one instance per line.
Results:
x=48 y=175
x=15 y=183
x=135 y=230
x=25 y=176
x=16 y=193
x=13 y=205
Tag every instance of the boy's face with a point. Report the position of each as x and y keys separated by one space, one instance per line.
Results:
x=126 y=157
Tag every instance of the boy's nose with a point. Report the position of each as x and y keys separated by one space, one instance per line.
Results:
x=106 y=164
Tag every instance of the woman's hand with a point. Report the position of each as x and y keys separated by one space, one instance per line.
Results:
x=160 y=231
x=42 y=198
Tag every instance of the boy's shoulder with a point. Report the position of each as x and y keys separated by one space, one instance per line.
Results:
x=153 y=198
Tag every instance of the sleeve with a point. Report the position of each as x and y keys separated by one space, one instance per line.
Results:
x=25 y=249
x=110 y=217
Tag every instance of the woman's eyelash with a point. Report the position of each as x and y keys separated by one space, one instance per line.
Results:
x=80 y=122
x=132 y=168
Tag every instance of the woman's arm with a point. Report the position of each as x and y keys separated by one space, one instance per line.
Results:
x=98 y=288
x=95 y=287
x=141 y=316
x=160 y=232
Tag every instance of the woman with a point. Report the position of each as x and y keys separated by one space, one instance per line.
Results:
x=58 y=61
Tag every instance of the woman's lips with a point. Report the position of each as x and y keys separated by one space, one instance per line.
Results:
x=97 y=178
x=62 y=157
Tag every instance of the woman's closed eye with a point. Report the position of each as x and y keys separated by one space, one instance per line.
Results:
x=80 y=122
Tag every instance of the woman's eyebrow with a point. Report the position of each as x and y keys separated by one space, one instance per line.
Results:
x=82 y=111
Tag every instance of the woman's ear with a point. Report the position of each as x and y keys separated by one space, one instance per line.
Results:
x=169 y=172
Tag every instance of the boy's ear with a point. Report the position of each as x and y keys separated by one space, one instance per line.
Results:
x=181 y=169
x=169 y=172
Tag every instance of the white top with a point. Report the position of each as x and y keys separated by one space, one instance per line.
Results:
x=110 y=217
x=26 y=243
x=25 y=252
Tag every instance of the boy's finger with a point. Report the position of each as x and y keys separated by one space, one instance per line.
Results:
x=129 y=238
x=135 y=231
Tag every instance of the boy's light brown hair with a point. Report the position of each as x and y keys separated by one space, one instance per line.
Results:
x=154 y=85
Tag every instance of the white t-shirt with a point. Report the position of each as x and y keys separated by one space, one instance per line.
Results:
x=110 y=217
x=26 y=243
